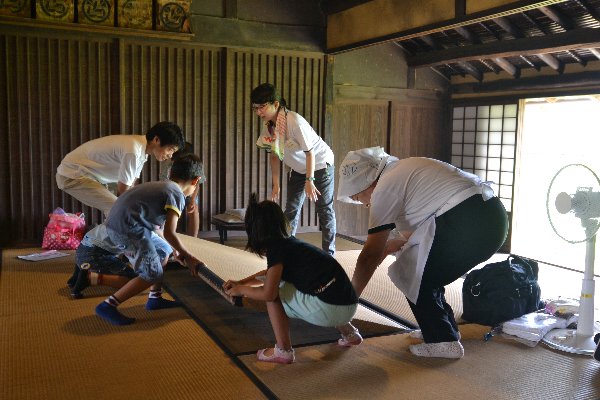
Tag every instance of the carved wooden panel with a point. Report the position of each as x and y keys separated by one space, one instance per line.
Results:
x=173 y=15
x=15 y=8
x=55 y=10
x=96 y=12
x=135 y=14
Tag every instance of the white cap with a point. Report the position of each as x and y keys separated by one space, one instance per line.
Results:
x=359 y=170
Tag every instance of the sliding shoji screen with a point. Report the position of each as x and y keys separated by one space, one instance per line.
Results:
x=483 y=143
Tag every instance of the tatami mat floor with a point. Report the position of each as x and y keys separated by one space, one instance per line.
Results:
x=52 y=347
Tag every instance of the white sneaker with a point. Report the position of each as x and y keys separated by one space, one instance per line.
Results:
x=441 y=350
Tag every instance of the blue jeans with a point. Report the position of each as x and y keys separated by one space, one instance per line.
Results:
x=324 y=179
x=103 y=261
x=146 y=254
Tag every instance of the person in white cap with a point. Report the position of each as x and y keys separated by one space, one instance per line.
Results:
x=290 y=138
x=445 y=222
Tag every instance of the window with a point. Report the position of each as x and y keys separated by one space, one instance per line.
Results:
x=483 y=143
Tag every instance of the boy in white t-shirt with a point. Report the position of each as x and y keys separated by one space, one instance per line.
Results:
x=85 y=172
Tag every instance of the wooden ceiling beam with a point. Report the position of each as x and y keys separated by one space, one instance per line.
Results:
x=498 y=37
x=490 y=31
x=509 y=27
x=471 y=70
x=467 y=35
x=508 y=67
x=456 y=71
x=562 y=82
x=552 y=62
x=404 y=48
x=530 y=63
x=557 y=16
x=563 y=22
x=583 y=38
x=431 y=42
x=595 y=52
x=588 y=9
x=491 y=66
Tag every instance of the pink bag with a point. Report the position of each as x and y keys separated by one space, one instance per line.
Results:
x=64 y=231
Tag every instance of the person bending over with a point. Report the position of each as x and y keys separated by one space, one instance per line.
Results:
x=448 y=221
x=290 y=139
x=85 y=172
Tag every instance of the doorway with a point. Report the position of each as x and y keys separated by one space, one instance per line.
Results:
x=554 y=132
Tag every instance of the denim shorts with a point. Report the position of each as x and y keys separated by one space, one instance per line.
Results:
x=312 y=309
x=146 y=254
x=100 y=261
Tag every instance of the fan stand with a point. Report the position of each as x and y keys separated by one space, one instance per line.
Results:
x=580 y=340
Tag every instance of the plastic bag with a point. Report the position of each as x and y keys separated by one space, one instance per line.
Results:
x=532 y=327
x=64 y=231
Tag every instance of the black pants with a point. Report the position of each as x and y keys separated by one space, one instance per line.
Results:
x=465 y=236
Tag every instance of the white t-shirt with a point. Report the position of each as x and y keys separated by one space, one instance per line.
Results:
x=412 y=189
x=409 y=195
x=301 y=137
x=109 y=159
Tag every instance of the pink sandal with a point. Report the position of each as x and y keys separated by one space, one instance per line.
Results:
x=351 y=339
x=280 y=356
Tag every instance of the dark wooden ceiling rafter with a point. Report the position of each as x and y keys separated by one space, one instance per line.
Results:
x=590 y=10
x=565 y=24
x=551 y=35
x=582 y=38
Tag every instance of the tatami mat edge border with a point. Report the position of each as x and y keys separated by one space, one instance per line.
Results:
x=394 y=317
x=259 y=384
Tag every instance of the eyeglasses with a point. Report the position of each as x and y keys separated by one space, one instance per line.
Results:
x=257 y=107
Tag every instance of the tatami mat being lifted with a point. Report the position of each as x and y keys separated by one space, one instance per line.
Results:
x=247 y=329
x=52 y=347
x=382 y=368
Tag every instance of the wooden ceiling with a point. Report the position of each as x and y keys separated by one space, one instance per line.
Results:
x=548 y=36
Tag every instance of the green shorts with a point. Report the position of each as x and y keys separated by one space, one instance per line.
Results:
x=312 y=309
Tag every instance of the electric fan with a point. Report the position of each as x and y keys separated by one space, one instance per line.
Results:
x=573 y=206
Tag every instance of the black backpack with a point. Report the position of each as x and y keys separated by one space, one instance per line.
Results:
x=501 y=291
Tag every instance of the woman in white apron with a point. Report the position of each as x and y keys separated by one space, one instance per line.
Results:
x=446 y=221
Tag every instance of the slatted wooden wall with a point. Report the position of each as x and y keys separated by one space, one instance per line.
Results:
x=54 y=95
x=300 y=79
x=58 y=92
x=182 y=83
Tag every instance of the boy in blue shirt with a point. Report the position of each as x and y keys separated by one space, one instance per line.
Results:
x=129 y=230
